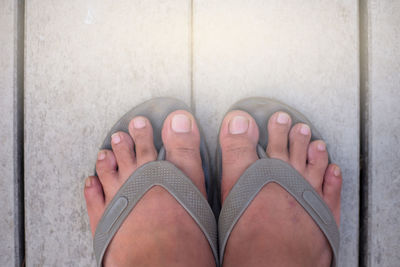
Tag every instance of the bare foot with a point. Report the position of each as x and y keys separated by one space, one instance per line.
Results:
x=158 y=231
x=275 y=230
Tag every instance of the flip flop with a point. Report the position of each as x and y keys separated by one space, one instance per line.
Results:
x=266 y=170
x=161 y=173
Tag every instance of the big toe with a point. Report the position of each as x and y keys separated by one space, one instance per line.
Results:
x=238 y=139
x=181 y=138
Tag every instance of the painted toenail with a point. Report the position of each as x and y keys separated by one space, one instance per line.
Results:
x=282 y=118
x=101 y=155
x=88 y=182
x=321 y=147
x=336 y=171
x=305 y=129
x=115 y=138
x=238 y=125
x=139 y=123
x=181 y=123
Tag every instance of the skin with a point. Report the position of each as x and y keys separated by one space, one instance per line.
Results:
x=267 y=233
x=275 y=229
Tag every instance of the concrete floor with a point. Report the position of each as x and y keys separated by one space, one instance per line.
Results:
x=88 y=62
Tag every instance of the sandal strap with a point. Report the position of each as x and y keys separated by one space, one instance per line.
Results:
x=156 y=173
x=259 y=174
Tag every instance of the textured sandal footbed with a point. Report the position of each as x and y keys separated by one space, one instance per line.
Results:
x=266 y=170
x=161 y=173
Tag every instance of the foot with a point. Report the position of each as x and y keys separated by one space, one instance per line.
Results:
x=158 y=231
x=270 y=227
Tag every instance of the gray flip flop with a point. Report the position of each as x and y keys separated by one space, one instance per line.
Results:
x=160 y=173
x=266 y=170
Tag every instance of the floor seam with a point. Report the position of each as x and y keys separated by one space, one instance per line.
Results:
x=19 y=133
x=364 y=133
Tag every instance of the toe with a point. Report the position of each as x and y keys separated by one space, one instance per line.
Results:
x=122 y=146
x=238 y=139
x=142 y=133
x=181 y=138
x=94 y=201
x=299 y=139
x=106 y=168
x=331 y=190
x=317 y=158
x=278 y=130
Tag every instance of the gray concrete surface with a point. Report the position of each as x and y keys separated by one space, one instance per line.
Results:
x=87 y=63
x=305 y=55
x=384 y=133
x=7 y=168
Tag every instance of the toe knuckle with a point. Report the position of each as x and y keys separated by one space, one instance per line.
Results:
x=185 y=152
x=140 y=135
x=145 y=150
x=234 y=154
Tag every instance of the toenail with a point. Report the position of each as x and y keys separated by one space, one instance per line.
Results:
x=305 y=129
x=115 y=138
x=321 y=147
x=88 y=182
x=101 y=155
x=336 y=171
x=238 y=125
x=282 y=118
x=139 y=123
x=181 y=123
